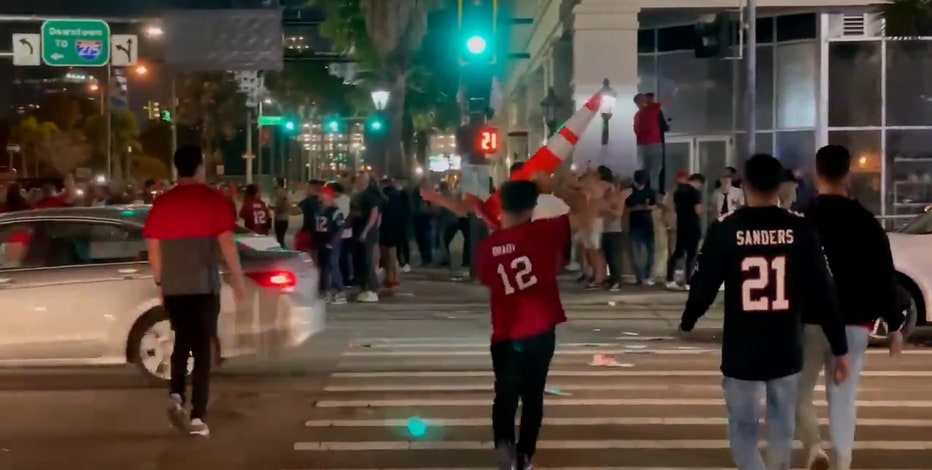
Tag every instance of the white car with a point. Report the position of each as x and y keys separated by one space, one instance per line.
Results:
x=912 y=256
x=75 y=289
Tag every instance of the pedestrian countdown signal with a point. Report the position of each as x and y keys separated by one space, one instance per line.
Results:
x=488 y=140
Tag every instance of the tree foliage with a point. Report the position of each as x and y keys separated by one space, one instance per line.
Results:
x=124 y=138
x=210 y=102
x=908 y=18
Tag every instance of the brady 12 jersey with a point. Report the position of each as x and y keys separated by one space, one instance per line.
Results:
x=773 y=268
x=256 y=216
x=519 y=265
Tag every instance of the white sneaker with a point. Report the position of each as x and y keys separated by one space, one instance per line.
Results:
x=406 y=268
x=673 y=286
x=367 y=297
x=650 y=282
x=339 y=299
x=818 y=459
x=574 y=266
x=198 y=428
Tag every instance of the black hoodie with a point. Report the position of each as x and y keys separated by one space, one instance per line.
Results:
x=858 y=252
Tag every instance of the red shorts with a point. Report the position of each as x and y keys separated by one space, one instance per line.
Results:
x=303 y=241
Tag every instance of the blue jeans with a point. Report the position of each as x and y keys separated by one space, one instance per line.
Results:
x=742 y=399
x=842 y=399
x=336 y=275
x=642 y=246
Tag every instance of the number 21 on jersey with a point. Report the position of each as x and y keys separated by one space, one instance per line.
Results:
x=764 y=273
x=518 y=275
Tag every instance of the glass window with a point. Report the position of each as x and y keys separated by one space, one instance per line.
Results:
x=647 y=73
x=865 y=177
x=15 y=243
x=762 y=144
x=797 y=87
x=795 y=27
x=703 y=103
x=909 y=171
x=796 y=150
x=765 y=98
x=677 y=38
x=79 y=243
x=909 y=83
x=764 y=30
x=921 y=225
x=647 y=40
x=854 y=84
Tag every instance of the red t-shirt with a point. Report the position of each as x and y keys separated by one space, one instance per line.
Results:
x=520 y=268
x=51 y=202
x=256 y=216
x=190 y=210
x=647 y=125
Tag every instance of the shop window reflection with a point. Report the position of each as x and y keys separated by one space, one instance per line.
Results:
x=865 y=168
x=909 y=171
x=854 y=84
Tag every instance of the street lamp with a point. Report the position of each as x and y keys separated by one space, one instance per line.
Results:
x=550 y=105
x=141 y=70
x=380 y=100
x=154 y=31
x=606 y=106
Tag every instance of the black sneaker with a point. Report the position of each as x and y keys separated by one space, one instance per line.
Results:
x=507 y=459
x=176 y=414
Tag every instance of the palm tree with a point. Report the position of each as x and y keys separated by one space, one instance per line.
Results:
x=33 y=138
x=908 y=19
x=124 y=141
x=211 y=103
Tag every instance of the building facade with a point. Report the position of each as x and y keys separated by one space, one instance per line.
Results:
x=821 y=78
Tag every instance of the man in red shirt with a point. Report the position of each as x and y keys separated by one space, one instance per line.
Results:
x=186 y=228
x=255 y=213
x=518 y=264
x=50 y=198
x=649 y=127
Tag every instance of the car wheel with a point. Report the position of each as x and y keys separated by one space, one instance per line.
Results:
x=878 y=333
x=151 y=343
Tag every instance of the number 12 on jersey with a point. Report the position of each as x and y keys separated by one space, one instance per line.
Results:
x=764 y=273
x=519 y=276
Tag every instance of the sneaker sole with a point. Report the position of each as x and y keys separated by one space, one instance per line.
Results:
x=177 y=419
x=820 y=463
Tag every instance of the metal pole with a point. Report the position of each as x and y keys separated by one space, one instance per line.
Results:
x=174 y=123
x=750 y=60
x=249 y=155
x=259 y=170
x=109 y=121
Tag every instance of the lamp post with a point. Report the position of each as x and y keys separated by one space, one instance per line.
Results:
x=380 y=99
x=606 y=106
x=550 y=105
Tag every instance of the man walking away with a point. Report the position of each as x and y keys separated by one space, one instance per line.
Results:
x=364 y=207
x=858 y=252
x=518 y=265
x=281 y=204
x=773 y=268
x=687 y=202
x=327 y=237
x=186 y=228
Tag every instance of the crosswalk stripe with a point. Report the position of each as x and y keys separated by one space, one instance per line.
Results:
x=626 y=349
x=692 y=444
x=603 y=372
x=616 y=387
x=615 y=421
x=552 y=468
x=677 y=402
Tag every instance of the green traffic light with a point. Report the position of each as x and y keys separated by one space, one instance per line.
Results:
x=333 y=126
x=376 y=125
x=290 y=126
x=476 y=45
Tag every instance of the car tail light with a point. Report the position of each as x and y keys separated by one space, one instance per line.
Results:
x=274 y=279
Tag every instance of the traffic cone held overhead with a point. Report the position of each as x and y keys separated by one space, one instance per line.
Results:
x=547 y=159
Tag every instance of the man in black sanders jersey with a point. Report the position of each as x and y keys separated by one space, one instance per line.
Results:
x=773 y=268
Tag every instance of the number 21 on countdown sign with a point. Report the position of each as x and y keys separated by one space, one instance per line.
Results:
x=488 y=140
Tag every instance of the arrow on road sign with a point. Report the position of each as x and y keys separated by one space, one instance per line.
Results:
x=57 y=56
x=26 y=43
x=126 y=49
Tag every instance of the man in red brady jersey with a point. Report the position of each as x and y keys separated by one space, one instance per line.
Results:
x=518 y=265
x=255 y=213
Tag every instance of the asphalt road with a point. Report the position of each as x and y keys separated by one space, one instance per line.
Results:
x=345 y=401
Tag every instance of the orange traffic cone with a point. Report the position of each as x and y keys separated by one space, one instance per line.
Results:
x=547 y=159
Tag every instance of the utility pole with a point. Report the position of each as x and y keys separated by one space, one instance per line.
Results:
x=750 y=62
x=108 y=119
x=249 y=155
x=174 y=123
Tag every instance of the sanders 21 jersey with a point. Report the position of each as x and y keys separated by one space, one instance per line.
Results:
x=519 y=265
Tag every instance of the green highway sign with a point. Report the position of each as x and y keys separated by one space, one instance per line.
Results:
x=271 y=120
x=76 y=43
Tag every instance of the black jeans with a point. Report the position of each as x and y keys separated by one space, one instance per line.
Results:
x=520 y=373
x=363 y=270
x=347 y=248
x=281 y=228
x=423 y=236
x=613 y=244
x=194 y=319
x=687 y=244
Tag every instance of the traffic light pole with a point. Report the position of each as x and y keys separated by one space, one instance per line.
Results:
x=249 y=155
